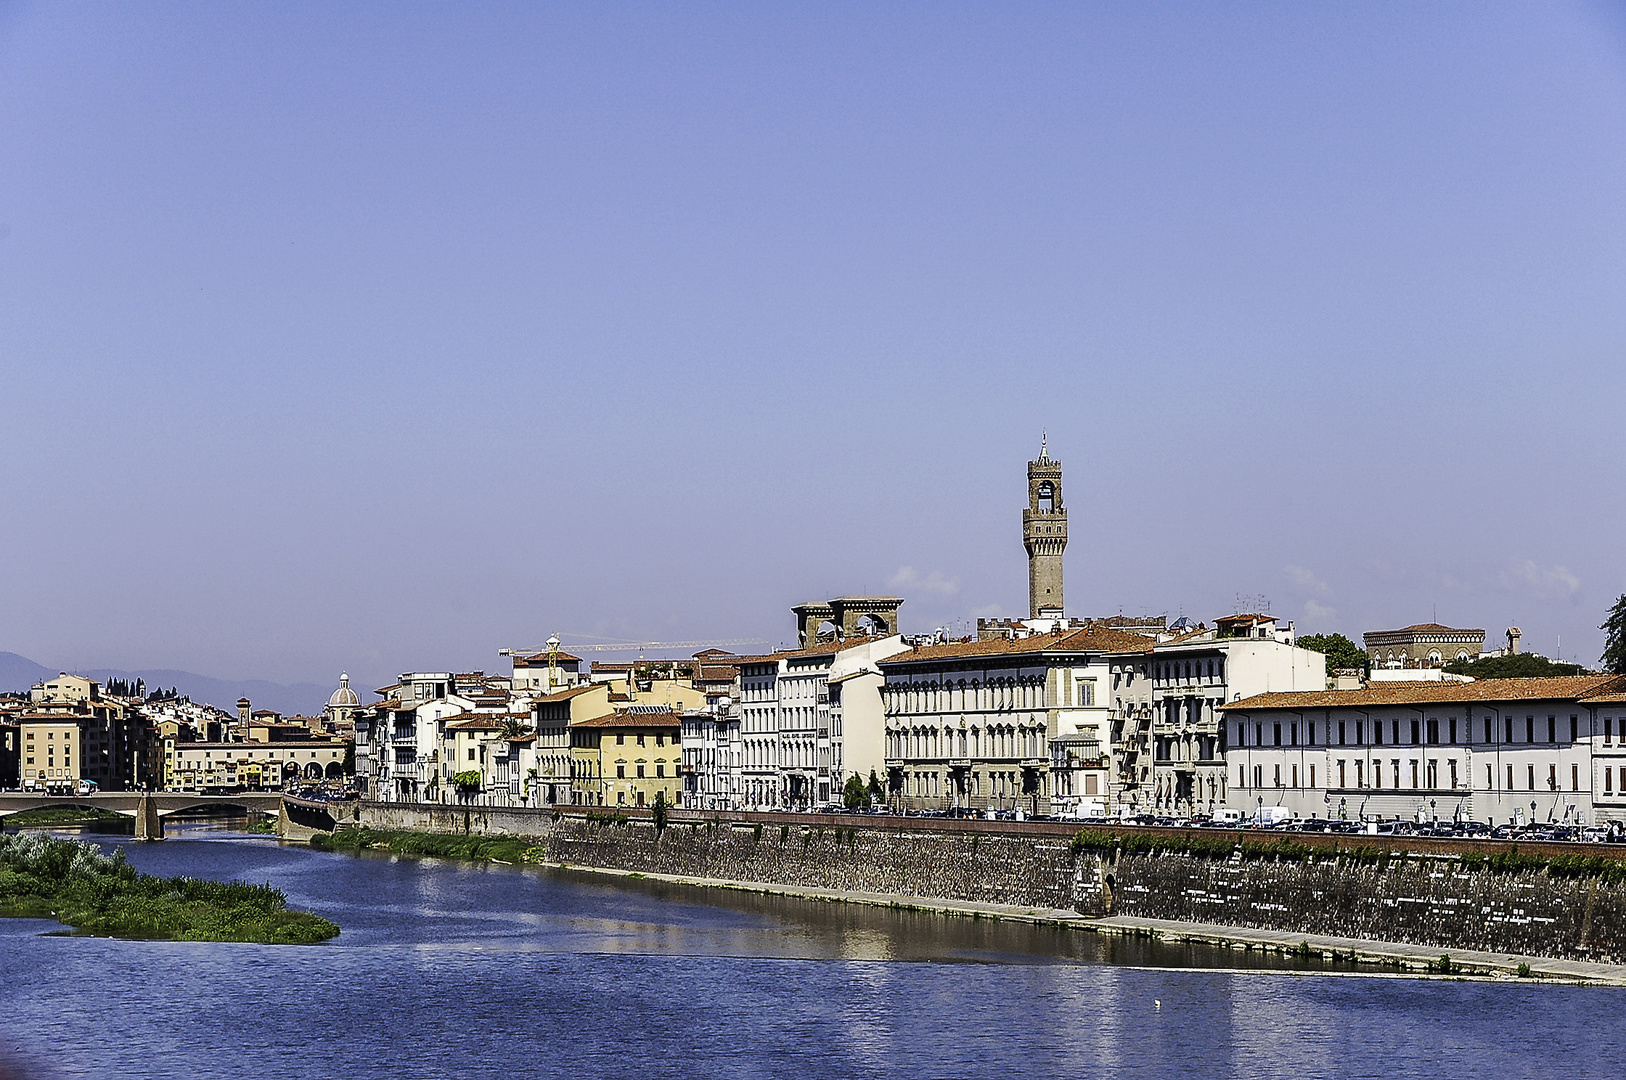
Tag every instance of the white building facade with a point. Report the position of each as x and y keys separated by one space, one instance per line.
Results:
x=1498 y=751
x=1192 y=678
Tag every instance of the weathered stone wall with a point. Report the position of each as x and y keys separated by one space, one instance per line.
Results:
x=1429 y=900
x=430 y=817
x=1419 y=901
x=996 y=869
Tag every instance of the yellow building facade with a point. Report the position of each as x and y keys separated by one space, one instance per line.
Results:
x=626 y=759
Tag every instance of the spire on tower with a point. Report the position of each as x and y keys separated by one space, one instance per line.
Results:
x=1044 y=440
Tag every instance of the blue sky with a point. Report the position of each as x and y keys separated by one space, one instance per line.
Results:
x=385 y=336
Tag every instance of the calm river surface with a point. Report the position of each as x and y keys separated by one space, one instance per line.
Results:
x=448 y=970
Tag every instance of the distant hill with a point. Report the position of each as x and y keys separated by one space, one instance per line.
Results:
x=19 y=672
x=298 y=699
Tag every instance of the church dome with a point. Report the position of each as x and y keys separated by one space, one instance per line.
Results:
x=343 y=697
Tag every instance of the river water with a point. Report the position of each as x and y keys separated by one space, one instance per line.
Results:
x=451 y=970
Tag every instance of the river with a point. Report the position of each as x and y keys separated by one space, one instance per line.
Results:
x=453 y=970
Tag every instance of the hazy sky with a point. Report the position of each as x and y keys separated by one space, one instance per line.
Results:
x=381 y=337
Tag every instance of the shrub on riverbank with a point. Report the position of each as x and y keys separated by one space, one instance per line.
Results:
x=60 y=815
x=75 y=883
x=1284 y=850
x=505 y=849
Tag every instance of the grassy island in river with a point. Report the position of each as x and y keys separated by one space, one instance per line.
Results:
x=99 y=894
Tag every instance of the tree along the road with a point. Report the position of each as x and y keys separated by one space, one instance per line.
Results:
x=1338 y=649
x=855 y=793
x=1614 y=648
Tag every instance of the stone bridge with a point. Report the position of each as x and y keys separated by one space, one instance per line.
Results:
x=297 y=819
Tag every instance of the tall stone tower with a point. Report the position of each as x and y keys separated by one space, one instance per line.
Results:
x=1044 y=534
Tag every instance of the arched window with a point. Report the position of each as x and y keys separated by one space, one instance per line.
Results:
x=1047 y=498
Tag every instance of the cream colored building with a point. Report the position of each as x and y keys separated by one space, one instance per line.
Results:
x=50 y=752
x=250 y=766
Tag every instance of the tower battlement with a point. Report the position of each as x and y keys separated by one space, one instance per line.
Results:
x=1044 y=534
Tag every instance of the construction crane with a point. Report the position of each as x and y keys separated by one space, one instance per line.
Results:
x=553 y=643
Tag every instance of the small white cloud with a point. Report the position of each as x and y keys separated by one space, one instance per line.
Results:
x=1319 y=614
x=1306 y=580
x=1546 y=583
x=937 y=583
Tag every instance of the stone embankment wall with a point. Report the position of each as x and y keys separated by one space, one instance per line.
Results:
x=1427 y=901
x=993 y=869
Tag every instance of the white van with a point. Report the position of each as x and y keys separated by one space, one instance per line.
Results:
x=1227 y=817
x=1272 y=815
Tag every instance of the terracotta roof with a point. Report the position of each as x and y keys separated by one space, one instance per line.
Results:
x=1426 y=628
x=1093 y=638
x=823 y=648
x=633 y=720
x=541 y=659
x=1556 y=688
x=566 y=695
x=483 y=722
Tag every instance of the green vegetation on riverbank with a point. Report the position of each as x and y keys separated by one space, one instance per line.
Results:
x=506 y=849
x=61 y=815
x=1508 y=861
x=98 y=894
x=434 y=844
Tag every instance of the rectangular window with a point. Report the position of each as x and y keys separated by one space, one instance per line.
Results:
x=1258 y=776
x=1575 y=728
x=660 y=739
x=1433 y=773
x=1532 y=777
x=1311 y=737
x=1278 y=728
x=1530 y=729
x=620 y=772
x=640 y=772
x=1341 y=733
x=1487 y=729
x=1453 y=732
x=1552 y=729
x=1510 y=778
x=620 y=738
x=1293 y=736
x=1453 y=773
x=1575 y=778
x=1608 y=781
x=1433 y=733
x=1414 y=782
x=1341 y=777
x=1608 y=722
x=1241 y=776
x=1278 y=776
x=1295 y=776
x=640 y=738
x=660 y=770
x=1360 y=781
x=1377 y=733
x=1552 y=778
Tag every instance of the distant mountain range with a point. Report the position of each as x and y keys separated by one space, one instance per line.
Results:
x=299 y=699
